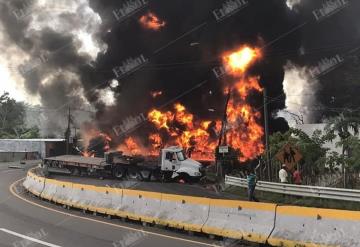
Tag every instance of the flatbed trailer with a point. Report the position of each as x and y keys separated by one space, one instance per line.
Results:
x=77 y=161
x=172 y=163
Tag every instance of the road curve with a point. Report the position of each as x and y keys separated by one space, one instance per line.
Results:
x=25 y=220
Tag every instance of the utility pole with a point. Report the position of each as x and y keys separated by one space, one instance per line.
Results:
x=224 y=122
x=67 y=133
x=222 y=138
x=266 y=121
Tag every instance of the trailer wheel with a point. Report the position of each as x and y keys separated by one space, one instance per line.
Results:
x=55 y=164
x=119 y=172
x=166 y=176
x=134 y=174
x=75 y=171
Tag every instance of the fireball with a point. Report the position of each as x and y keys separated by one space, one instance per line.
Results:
x=239 y=61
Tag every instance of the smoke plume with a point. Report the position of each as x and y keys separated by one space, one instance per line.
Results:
x=76 y=45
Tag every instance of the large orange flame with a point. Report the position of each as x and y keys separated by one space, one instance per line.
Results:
x=160 y=119
x=199 y=137
x=131 y=147
x=182 y=128
x=240 y=60
x=245 y=132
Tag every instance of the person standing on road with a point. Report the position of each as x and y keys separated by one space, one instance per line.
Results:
x=283 y=175
x=251 y=180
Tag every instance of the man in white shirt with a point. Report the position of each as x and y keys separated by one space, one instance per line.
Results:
x=283 y=175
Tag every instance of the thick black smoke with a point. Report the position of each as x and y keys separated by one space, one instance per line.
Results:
x=181 y=66
x=182 y=54
x=53 y=67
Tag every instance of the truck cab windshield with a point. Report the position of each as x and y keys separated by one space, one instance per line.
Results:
x=181 y=156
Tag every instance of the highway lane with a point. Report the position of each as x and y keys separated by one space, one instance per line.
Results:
x=44 y=224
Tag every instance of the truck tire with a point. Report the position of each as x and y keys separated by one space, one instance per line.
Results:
x=145 y=174
x=119 y=173
x=165 y=176
x=134 y=174
x=186 y=177
x=55 y=164
x=75 y=171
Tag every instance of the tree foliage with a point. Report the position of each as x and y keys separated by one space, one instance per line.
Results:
x=12 y=120
x=351 y=159
x=347 y=127
x=311 y=148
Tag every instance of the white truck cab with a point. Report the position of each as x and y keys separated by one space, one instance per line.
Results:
x=173 y=159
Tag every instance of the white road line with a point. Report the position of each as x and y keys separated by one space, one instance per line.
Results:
x=28 y=238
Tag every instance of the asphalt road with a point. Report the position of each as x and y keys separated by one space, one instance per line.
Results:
x=27 y=221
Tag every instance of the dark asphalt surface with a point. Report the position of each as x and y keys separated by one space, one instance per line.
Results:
x=23 y=224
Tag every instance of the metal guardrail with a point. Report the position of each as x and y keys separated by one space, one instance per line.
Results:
x=299 y=190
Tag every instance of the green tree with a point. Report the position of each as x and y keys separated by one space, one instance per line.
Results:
x=346 y=122
x=12 y=119
x=352 y=159
x=311 y=148
x=347 y=126
x=12 y=114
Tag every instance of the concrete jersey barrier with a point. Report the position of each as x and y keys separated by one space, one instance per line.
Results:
x=140 y=205
x=27 y=182
x=257 y=222
x=116 y=202
x=50 y=188
x=240 y=220
x=34 y=184
x=92 y=198
x=63 y=192
x=311 y=227
x=184 y=212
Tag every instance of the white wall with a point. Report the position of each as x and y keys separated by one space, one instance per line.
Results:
x=25 y=145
